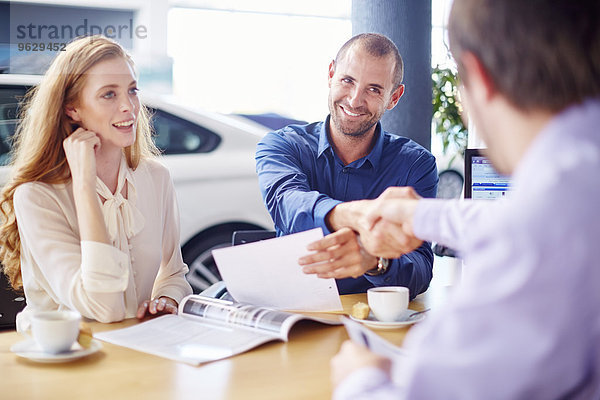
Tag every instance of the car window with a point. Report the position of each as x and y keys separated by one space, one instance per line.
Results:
x=9 y=100
x=174 y=135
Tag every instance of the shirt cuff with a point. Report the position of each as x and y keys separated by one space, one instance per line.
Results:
x=361 y=383
x=104 y=268
x=175 y=292
x=321 y=210
x=427 y=218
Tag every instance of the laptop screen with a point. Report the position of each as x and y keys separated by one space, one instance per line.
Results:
x=481 y=180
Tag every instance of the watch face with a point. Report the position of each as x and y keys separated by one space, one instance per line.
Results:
x=450 y=185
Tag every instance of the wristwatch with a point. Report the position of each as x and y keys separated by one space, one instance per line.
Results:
x=382 y=267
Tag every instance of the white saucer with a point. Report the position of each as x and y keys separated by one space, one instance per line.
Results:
x=403 y=321
x=30 y=350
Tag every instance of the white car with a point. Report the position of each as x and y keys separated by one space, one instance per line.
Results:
x=211 y=159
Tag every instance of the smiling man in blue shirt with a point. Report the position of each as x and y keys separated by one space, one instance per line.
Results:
x=307 y=173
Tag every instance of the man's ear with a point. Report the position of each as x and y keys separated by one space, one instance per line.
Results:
x=477 y=78
x=72 y=113
x=396 y=94
x=331 y=72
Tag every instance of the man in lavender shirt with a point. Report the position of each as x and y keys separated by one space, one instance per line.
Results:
x=525 y=321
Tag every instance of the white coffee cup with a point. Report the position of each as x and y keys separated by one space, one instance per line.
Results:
x=388 y=303
x=53 y=331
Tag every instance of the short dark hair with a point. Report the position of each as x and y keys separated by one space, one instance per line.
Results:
x=379 y=46
x=540 y=54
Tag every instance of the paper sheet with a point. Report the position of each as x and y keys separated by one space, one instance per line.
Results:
x=267 y=273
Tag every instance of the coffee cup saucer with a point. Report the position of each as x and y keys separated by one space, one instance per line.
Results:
x=401 y=322
x=29 y=349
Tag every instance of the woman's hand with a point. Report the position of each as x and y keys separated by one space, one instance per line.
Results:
x=80 y=150
x=159 y=306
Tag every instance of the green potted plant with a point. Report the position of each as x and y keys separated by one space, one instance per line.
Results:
x=446 y=112
x=450 y=129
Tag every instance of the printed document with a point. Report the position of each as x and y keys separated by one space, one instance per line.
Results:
x=267 y=274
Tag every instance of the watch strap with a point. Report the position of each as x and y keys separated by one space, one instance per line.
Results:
x=382 y=267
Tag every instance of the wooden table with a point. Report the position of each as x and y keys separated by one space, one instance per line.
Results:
x=298 y=369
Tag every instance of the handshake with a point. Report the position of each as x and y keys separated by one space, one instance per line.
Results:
x=364 y=231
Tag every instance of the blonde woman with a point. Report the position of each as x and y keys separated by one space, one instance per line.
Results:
x=90 y=221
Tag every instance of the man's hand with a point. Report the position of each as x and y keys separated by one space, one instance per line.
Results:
x=388 y=241
x=338 y=255
x=352 y=357
x=396 y=205
x=386 y=229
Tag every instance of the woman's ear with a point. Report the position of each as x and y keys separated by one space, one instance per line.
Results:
x=72 y=113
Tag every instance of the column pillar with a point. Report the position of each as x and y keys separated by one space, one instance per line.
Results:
x=408 y=24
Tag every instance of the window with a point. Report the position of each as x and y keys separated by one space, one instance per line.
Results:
x=9 y=101
x=174 y=135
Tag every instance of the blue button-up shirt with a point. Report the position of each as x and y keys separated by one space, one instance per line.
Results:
x=302 y=179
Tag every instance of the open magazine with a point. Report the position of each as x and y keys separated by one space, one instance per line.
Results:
x=207 y=329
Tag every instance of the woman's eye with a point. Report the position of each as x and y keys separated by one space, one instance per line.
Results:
x=108 y=95
x=134 y=90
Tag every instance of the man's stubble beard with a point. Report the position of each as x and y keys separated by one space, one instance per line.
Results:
x=359 y=132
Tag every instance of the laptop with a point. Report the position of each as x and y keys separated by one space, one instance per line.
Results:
x=482 y=182
x=11 y=303
x=250 y=236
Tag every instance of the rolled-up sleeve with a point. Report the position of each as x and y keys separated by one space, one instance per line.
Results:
x=286 y=191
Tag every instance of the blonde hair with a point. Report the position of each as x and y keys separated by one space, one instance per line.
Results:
x=38 y=154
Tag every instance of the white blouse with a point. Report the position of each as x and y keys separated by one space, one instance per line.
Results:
x=103 y=282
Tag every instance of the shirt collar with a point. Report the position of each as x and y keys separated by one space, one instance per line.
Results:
x=578 y=120
x=323 y=137
x=374 y=157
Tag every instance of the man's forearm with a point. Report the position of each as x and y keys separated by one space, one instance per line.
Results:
x=345 y=215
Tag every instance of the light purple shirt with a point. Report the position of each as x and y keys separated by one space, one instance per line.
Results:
x=525 y=321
